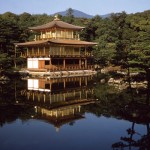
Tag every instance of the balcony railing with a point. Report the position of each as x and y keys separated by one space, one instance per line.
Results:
x=53 y=55
x=68 y=67
x=61 y=68
x=47 y=37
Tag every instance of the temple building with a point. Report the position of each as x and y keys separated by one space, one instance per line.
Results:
x=57 y=47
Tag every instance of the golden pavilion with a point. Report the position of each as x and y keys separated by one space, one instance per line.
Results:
x=57 y=47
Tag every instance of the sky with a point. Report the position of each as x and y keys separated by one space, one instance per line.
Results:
x=91 y=7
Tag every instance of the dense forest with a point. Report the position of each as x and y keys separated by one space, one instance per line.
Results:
x=123 y=39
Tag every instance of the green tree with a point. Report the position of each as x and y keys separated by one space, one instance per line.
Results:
x=69 y=16
x=9 y=34
x=105 y=49
x=10 y=17
x=6 y=62
x=89 y=33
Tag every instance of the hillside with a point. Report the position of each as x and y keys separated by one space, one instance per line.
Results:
x=79 y=14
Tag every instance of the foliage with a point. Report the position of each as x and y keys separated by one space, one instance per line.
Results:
x=5 y=61
x=123 y=39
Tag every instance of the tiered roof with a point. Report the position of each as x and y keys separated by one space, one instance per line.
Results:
x=57 y=41
x=60 y=24
x=56 y=23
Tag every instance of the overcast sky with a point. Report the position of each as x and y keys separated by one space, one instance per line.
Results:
x=92 y=7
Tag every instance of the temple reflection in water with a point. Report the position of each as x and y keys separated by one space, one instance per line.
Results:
x=30 y=109
x=60 y=100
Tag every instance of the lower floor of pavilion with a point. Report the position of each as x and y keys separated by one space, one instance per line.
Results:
x=59 y=64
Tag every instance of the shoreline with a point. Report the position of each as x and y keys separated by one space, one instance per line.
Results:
x=58 y=74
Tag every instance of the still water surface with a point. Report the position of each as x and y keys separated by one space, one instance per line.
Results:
x=69 y=113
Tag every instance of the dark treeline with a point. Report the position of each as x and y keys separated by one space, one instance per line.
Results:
x=123 y=39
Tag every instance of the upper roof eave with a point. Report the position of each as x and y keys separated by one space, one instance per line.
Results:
x=58 y=42
x=30 y=43
x=72 y=42
x=56 y=23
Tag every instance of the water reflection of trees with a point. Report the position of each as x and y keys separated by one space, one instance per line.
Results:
x=10 y=112
x=10 y=91
x=137 y=112
x=129 y=141
x=10 y=109
x=130 y=104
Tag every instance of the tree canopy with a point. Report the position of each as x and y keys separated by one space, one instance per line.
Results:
x=123 y=39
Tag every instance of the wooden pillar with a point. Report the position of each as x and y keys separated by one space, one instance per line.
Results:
x=73 y=52
x=79 y=108
x=80 y=95
x=61 y=33
x=38 y=50
x=32 y=51
x=64 y=95
x=41 y=35
x=64 y=63
x=27 y=51
x=45 y=35
x=50 y=63
x=56 y=97
x=72 y=34
x=50 y=98
x=62 y=114
x=92 y=91
x=85 y=63
x=38 y=97
x=86 y=94
x=85 y=51
x=50 y=86
x=35 y=38
x=86 y=81
x=64 y=84
x=79 y=51
x=36 y=109
x=50 y=51
x=78 y=37
x=73 y=111
x=60 y=52
x=44 y=50
x=28 y=95
x=80 y=82
x=80 y=63
x=56 y=113
x=33 y=96
x=44 y=97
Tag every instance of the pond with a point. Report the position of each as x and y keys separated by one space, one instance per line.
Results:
x=73 y=113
